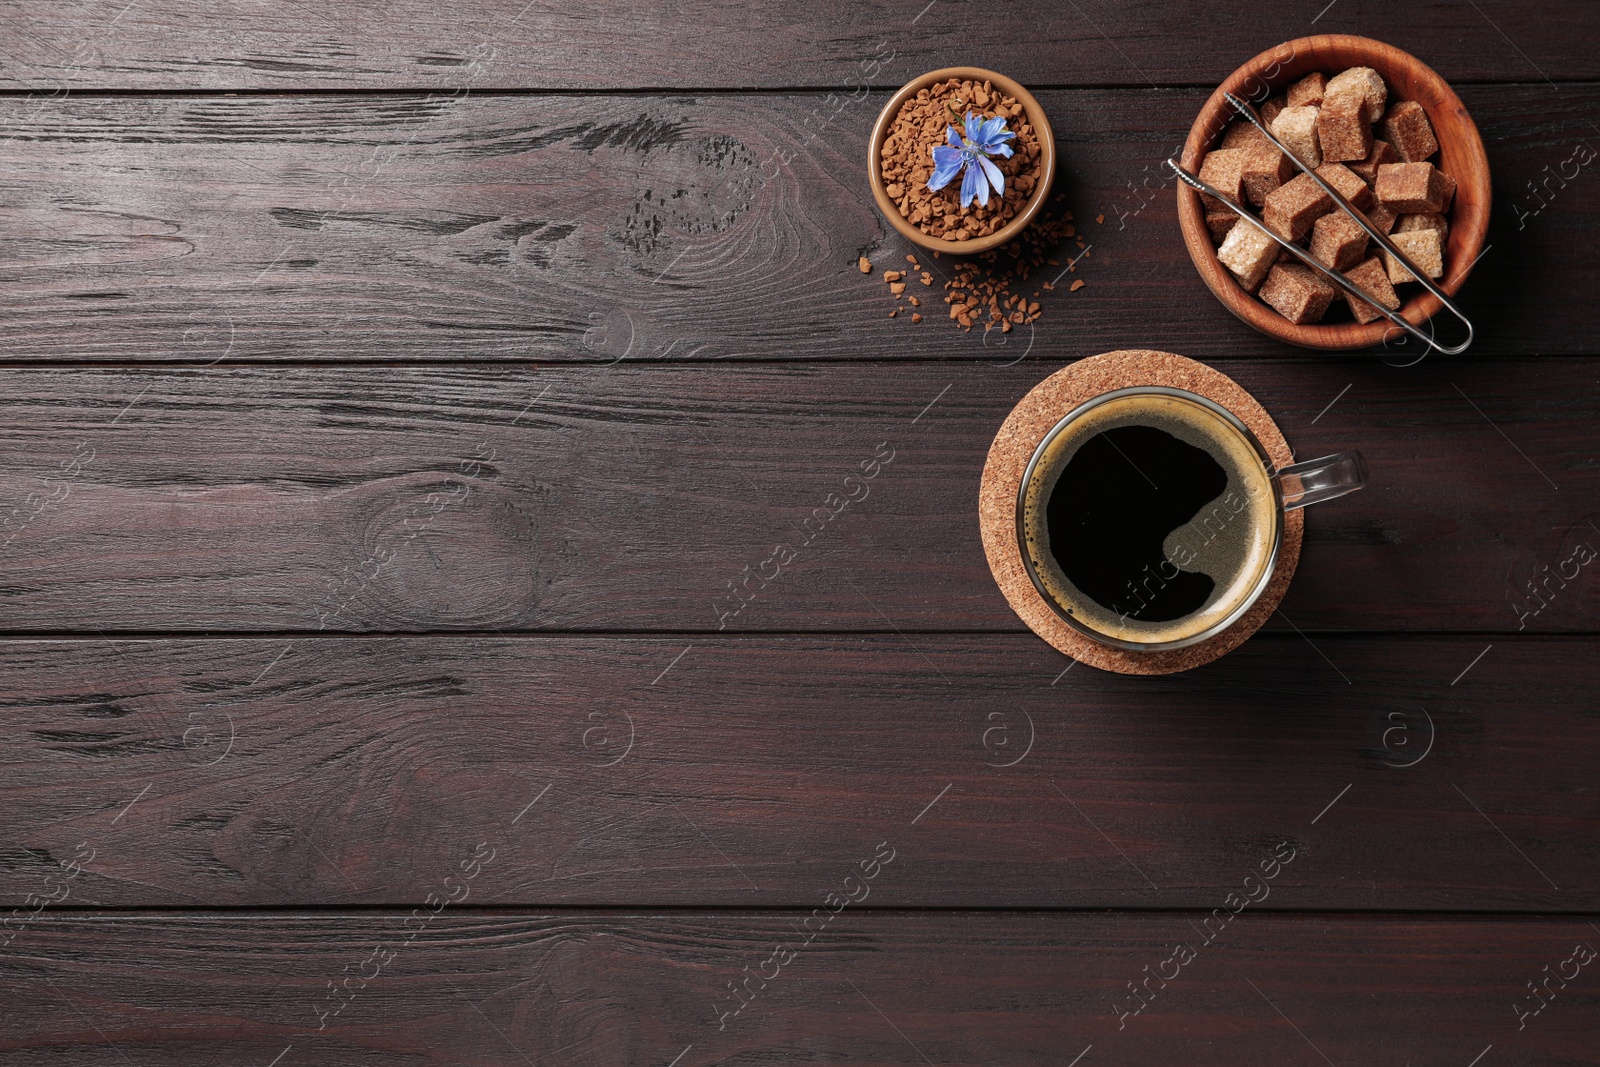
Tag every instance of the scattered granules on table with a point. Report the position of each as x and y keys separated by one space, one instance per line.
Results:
x=991 y=287
x=906 y=160
x=865 y=264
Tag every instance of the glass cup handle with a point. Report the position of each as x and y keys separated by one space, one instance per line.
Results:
x=1320 y=479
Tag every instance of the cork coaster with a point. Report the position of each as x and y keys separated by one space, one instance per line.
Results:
x=1027 y=425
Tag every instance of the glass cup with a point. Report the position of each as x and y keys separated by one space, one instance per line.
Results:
x=1227 y=546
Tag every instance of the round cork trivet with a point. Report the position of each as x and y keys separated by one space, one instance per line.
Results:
x=1014 y=446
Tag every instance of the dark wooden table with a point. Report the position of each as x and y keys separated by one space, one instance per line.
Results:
x=396 y=395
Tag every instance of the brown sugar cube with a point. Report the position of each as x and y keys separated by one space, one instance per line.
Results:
x=1368 y=168
x=1296 y=127
x=1364 y=82
x=1218 y=222
x=1297 y=292
x=1263 y=170
x=1241 y=134
x=1248 y=253
x=1349 y=186
x=1343 y=131
x=1223 y=171
x=1307 y=92
x=1410 y=188
x=1370 y=276
x=1272 y=109
x=1294 y=206
x=1432 y=221
x=1338 y=241
x=1381 y=217
x=1449 y=184
x=1422 y=247
x=1409 y=133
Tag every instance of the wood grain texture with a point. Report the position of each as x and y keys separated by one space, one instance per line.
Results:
x=653 y=498
x=593 y=990
x=604 y=228
x=272 y=680
x=758 y=771
x=188 y=44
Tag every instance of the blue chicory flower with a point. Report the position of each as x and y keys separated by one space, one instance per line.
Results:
x=984 y=138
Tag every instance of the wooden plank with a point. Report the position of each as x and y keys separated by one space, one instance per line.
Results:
x=1408 y=773
x=652 y=498
x=870 y=989
x=603 y=228
x=188 y=44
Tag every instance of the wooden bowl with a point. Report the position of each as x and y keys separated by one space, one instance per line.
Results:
x=1461 y=156
x=1041 y=190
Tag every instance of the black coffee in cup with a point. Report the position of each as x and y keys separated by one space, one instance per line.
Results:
x=1149 y=517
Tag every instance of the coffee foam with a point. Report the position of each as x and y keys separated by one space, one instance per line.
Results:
x=1231 y=538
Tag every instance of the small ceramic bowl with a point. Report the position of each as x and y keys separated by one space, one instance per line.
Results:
x=1041 y=190
x=1461 y=156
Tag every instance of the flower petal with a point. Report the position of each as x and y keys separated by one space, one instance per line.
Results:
x=952 y=137
x=993 y=132
x=973 y=186
x=947 y=163
x=1002 y=150
x=992 y=172
x=974 y=126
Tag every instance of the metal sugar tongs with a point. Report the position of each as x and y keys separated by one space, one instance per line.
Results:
x=1305 y=257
